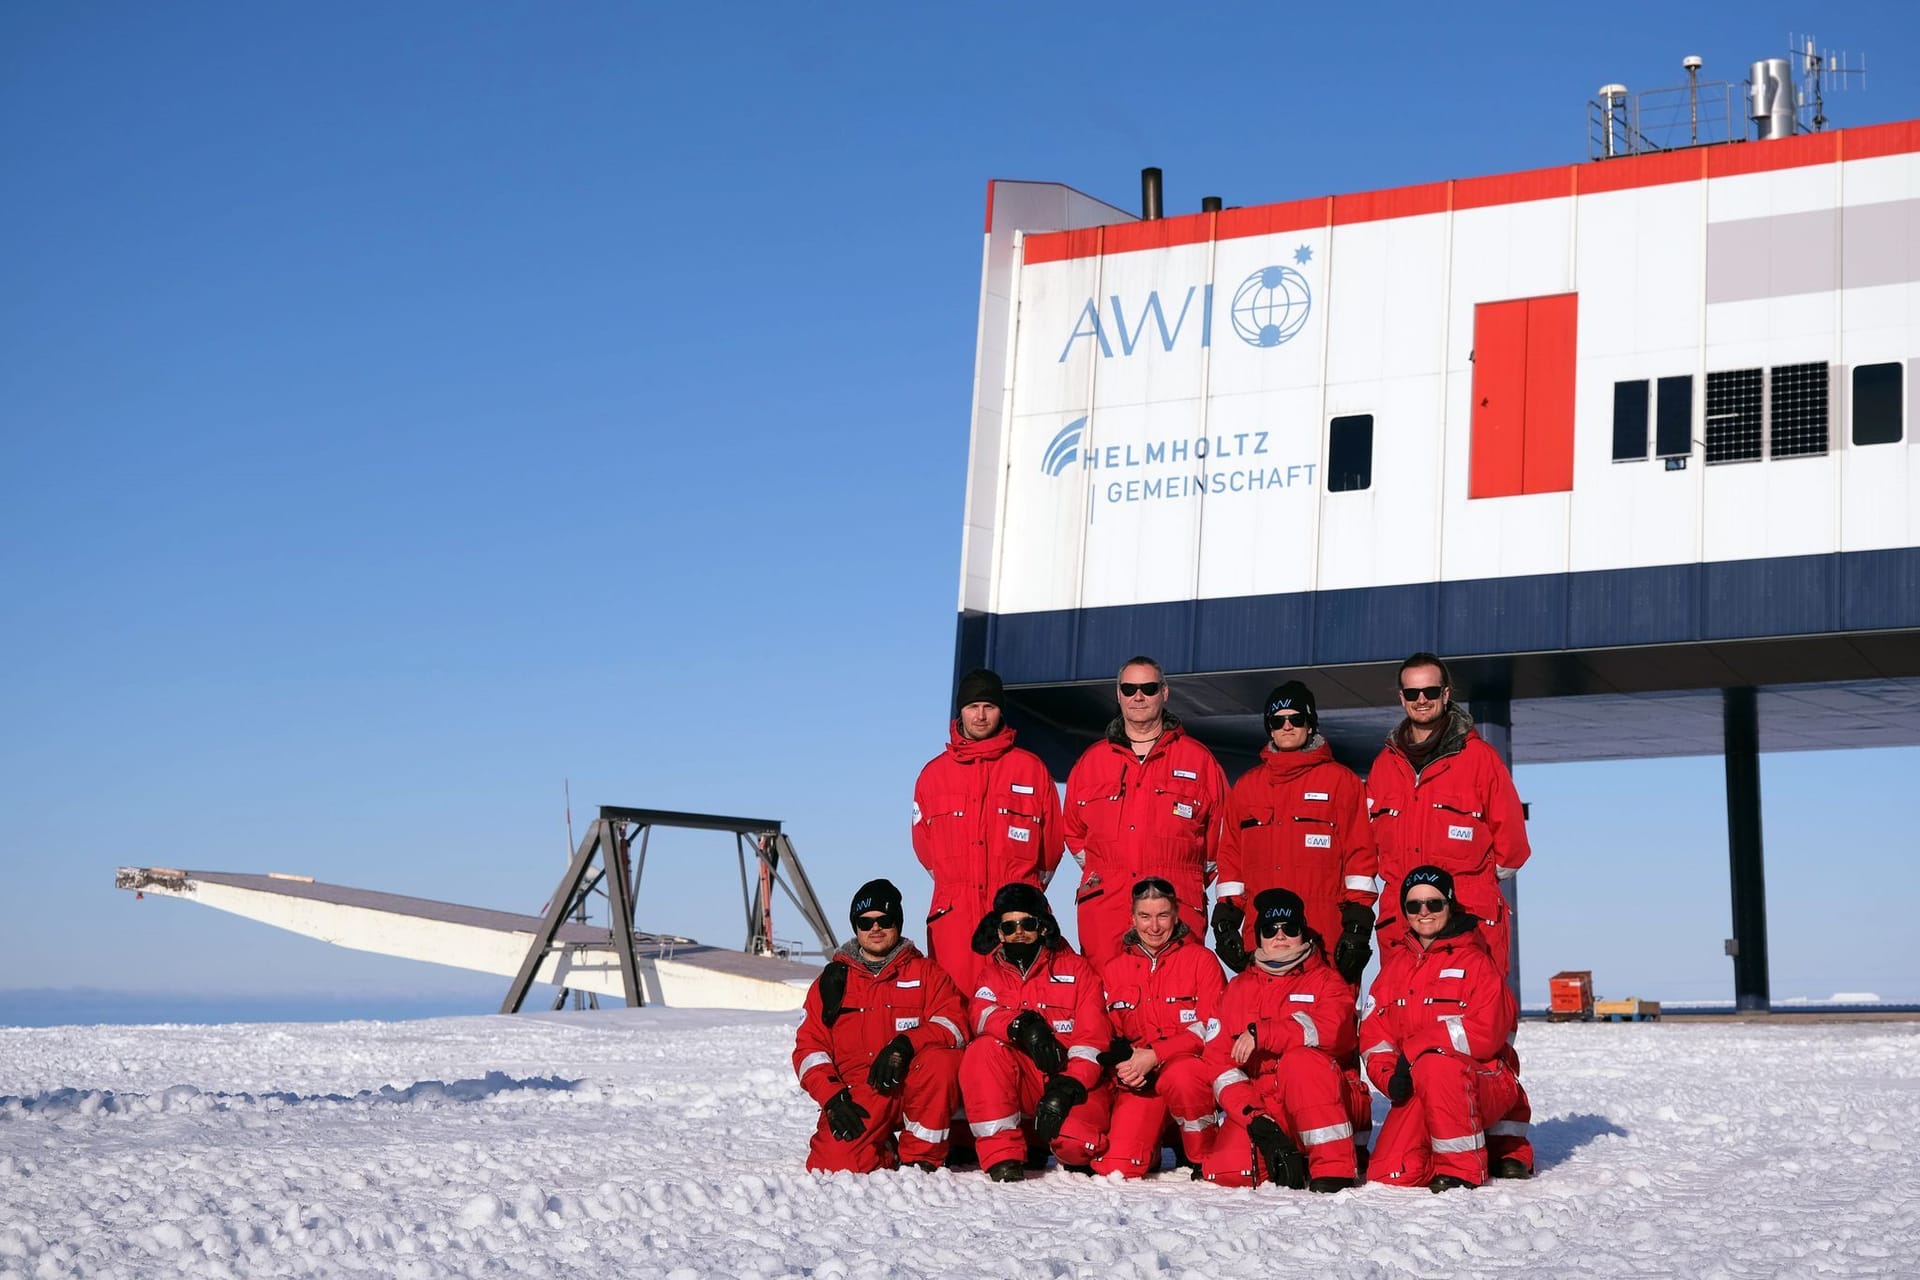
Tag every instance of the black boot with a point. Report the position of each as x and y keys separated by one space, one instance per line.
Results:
x=1328 y=1186
x=1447 y=1182
x=1008 y=1171
x=1084 y=1169
x=924 y=1166
x=1511 y=1167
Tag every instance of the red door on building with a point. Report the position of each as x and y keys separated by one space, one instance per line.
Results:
x=1523 y=371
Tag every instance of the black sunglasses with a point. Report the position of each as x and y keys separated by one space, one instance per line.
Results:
x=1422 y=906
x=1153 y=885
x=1431 y=693
x=1019 y=924
x=1291 y=928
x=1149 y=688
x=865 y=923
x=1287 y=720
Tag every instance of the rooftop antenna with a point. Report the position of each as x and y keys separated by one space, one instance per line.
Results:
x=1692 y=62
x=1817 y=67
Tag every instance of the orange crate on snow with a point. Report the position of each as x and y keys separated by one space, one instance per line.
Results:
x=1570 y=995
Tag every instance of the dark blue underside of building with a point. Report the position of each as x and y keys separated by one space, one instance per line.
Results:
x=1544 y=613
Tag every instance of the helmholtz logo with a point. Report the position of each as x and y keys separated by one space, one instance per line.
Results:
x=1269 y=308
x=1173 y=467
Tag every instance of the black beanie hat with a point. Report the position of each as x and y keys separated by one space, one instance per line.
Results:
x=1292 y=696
x=980 y=685
x=1018 y=896
x=877 y=895
x=1274 y=906
x=1430 y=875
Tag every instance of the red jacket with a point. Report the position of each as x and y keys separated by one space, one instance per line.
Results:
x=910 y=994
x=1460 y=814
x=1062 y=988
x=1128 y=818
x=1169 y=1003
x=1311 y=1007
x=1447 y=997
x=985 y=814
x=1299 y=821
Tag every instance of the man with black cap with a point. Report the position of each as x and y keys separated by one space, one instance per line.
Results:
x=1439 y=794
x=1039 y=1027
x=1286 y=1023
x=1298 y=819
x=985 y=813
x=1440 y=1019
x=879 y=1046
x=1146 y=800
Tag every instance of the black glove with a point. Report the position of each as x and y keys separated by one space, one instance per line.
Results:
x=1285 y=1165
x=1115 y=1053
x=847 y=1118
x=1400 y=1083
x=1351 y=953
x=1030 y=1034
x=1227 y=944
x=1062 y=1094
x=889 y=1069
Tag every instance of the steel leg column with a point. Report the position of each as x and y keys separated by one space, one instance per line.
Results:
x=1748 y=946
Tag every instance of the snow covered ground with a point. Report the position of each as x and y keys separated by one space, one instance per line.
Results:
x=668 y=1144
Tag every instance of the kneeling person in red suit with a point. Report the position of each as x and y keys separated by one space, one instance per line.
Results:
x=879 y=1047
x=1438 y=1032
x=1286 y=1024
x=1039 y=1027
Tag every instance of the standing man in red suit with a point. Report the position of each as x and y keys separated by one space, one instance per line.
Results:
x=1441 y=796
x=985 y=813
x=1298 y=820
x=1146 y=800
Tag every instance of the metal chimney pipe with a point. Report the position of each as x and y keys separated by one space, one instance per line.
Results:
x=1210 y=204
x=1770 y=98
x=1150 y=206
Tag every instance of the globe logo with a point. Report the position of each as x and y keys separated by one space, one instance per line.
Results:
x=1271 y=306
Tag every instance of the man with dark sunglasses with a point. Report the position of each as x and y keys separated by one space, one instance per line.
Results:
x=1146 y=800
x=1286 y=1025
x=1439 y=794
x=1437 y=1036
x=1039 y=1027
x=1163 y=999
x=1298 y=819
x=879 y=1046
x=985 y=813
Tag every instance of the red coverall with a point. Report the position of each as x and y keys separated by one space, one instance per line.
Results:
x=985 y=814
x=1460 y=814
x=1000 y=1085
x=910 y=995
x=1134 y=818
x=1169 y=1003
x=1303 y=1026
x=1298 y=821
x=1450 y=1011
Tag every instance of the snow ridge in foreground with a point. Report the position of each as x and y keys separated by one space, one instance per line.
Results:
x=666 y=1143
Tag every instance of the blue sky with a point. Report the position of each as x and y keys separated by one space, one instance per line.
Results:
x=405 y=409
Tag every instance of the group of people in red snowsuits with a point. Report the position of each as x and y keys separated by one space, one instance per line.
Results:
x=1004 y=1045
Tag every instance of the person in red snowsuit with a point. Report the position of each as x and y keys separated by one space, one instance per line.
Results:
x=985 y=813
x=1146 y=800
x=1440 y=795
x=1163 y=999
x=1286 y=1024
x=1298 y=819
x=1437 y=1041
x=879 y=1047
x=1039 y=1025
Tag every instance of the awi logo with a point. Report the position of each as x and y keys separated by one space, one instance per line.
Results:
x=1269 y=308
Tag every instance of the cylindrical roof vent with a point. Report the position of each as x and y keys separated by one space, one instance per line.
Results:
x=1210 y=204
x=1770 y=98
x=1150 y=205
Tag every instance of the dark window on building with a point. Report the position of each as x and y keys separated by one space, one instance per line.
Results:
x=1877 y=396
x=1799 y=403
x=1733 y=416
x=1350 y=453
x=1673 y=417
x=1630 y=421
